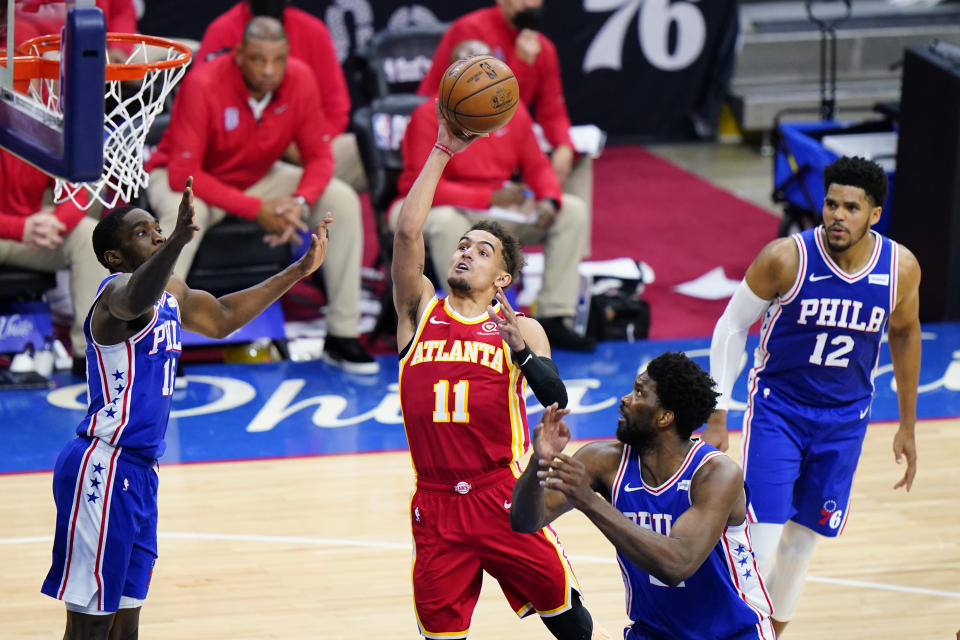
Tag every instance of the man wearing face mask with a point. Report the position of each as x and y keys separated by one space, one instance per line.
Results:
x=511 y=29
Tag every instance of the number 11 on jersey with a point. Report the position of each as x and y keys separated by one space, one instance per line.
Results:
x=441 y=393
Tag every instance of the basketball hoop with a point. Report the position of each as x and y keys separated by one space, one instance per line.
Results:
x=130 y=117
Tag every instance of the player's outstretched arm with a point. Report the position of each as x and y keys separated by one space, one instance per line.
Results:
x=903 y=334
x=771 y=273
x=533 y=506
x=219 y=317
x=128 y=297
x=714 y=494
x=410 y=285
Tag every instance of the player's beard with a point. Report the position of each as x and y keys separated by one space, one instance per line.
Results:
x=460 y=285
x=637 y=437
x=853 y=238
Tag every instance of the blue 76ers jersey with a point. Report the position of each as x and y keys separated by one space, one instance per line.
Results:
x=724 y=598
x=820 y=341
x=130 y=384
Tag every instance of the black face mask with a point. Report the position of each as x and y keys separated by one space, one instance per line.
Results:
x=272 y=8
x=528 y=18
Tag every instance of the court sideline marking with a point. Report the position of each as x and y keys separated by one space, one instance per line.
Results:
x=381 y=545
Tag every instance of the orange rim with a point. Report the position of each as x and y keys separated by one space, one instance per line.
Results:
x=30 y=63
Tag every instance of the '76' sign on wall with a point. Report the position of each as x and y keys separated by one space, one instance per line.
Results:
x=655 y=20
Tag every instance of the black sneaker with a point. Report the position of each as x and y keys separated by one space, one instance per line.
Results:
x=79 y=368
x=562 y=337
x=349 y=355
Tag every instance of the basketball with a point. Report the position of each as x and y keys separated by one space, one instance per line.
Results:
x=478 y=94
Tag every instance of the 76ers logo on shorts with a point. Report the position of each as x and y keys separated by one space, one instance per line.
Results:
x=829 y=512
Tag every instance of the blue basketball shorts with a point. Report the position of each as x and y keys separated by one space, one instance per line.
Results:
x=105 y=545
x=799 y=461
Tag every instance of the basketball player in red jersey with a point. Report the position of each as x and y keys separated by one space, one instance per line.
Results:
x=463 y=362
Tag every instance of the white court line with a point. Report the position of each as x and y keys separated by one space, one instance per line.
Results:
x=406 y=546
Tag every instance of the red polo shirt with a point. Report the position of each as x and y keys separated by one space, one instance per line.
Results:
x=540 y=86
x=472 y=175
x=21 y=195
x=214 y=136
x=310 y=41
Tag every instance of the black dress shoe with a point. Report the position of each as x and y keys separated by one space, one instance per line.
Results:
x=562 y=337
x=79 y=368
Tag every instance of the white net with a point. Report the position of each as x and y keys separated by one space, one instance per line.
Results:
x=132 y=107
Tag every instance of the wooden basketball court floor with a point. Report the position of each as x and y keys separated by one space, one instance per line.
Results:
x=319 y=547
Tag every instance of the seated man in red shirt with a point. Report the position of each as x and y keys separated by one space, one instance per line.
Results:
x=510 y=29
x=43 y=17
x=231 y=123
x=45 y=238
x=310 y=41
x=477 y=183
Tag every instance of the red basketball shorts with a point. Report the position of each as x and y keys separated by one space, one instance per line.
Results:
x=460 y=530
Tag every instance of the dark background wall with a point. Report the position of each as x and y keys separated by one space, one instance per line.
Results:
x=639 y=69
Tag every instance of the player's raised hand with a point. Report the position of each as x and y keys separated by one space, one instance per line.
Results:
x=568 y=476
x=317 y=251
x=551 y=434
x=507 y=325
x=905 y=446
x=185 y=229
x=453 y=137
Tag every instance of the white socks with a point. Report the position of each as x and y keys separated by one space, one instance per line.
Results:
x=793 y=544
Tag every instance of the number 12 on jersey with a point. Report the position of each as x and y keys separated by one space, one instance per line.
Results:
x=844 y=346
x=441 y=399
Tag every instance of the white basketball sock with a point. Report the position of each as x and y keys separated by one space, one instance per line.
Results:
x=785 y=580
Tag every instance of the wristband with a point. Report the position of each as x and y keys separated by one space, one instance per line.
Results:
x=443 y=148
x=520 y=357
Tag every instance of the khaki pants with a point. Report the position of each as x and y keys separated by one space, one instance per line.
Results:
x=580 y=183
x=341 y=268
x=347 y=165
x=76 y=253
x=563 y=248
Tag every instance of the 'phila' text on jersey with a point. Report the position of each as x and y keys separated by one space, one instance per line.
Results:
x=842 y=313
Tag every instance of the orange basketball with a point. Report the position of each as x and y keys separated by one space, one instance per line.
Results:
x=478 y=94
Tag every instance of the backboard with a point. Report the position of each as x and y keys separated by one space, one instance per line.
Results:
x=60 y=134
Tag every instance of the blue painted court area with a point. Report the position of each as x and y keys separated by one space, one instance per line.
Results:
x=230 y=411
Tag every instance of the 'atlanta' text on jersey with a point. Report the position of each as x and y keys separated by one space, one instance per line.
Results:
x=461 y=397
x=473 y=351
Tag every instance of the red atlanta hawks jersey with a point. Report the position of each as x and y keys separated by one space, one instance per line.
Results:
x=462 y=397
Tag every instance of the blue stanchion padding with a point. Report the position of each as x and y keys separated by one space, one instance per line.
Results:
x=23 y=323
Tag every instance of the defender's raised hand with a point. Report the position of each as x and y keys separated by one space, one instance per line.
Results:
x=569 y=476
x=550 y=435
x=507 y=325
x=185 y=229
x=317 y=251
